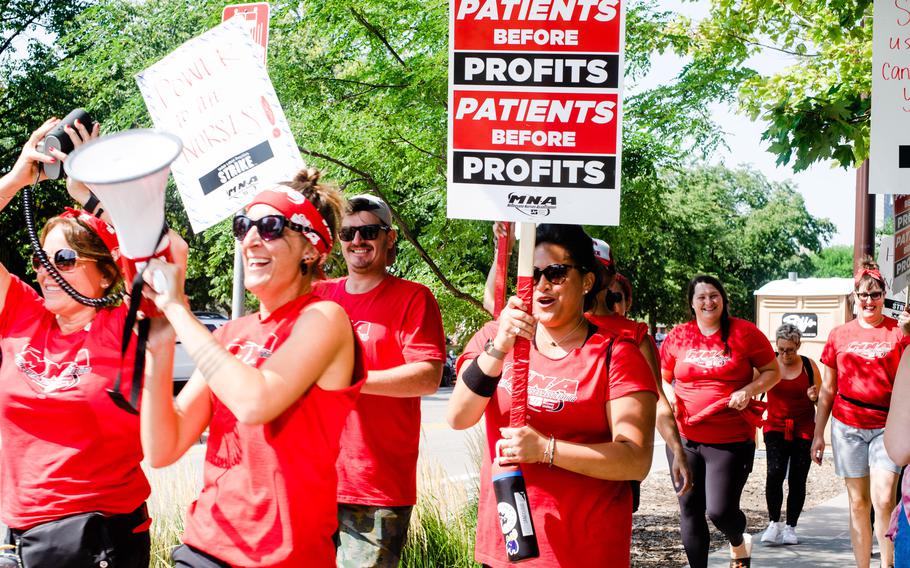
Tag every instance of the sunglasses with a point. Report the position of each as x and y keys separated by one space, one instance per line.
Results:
x=367 y=232
x=64 y=260
x=555 y=273
x=869 y=295
x=269 y=227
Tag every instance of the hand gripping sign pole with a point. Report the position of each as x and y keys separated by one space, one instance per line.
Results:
x=502 y=269
x=508 y=481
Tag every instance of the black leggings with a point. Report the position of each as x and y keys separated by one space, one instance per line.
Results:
x=719 y=473
x=780 y=453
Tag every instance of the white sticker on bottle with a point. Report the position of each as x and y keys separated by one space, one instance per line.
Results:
x=524 y=514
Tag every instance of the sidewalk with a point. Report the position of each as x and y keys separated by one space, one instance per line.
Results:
x=824 y=542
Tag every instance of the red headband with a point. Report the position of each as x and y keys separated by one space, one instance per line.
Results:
x=298 y=209
x=104 y=231
x=871 y=272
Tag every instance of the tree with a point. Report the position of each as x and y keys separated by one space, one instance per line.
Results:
x=815 y=109
x=834 y=261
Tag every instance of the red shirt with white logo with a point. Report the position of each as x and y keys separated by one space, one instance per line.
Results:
x=790 y=410
x=866 y=362
x=268 y=496
x=398 y=322
x=705 y=374
x=67 y=448
x=580 y=520
x=616 y=324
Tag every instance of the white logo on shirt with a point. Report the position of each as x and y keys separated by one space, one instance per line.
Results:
x=48 y=377
x=707 y=358
x=250 y=352
x=363 y=330
x=870 y=349
x=544 y=393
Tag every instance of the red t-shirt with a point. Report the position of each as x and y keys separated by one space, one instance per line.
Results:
x=268 y=496
x=705 y=374
x=866 y=361
x=398 y=322
x=789 y=408
x=579 y=520
x=615 y=324
x=67 y=448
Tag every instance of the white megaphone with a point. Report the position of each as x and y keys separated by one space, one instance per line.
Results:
x=128 y=173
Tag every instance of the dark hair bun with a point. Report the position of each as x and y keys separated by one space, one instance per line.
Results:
x=869 y=264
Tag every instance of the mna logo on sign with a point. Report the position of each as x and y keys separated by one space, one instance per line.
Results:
x=532 y=205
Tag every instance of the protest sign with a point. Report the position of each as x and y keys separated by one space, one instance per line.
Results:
x=535 y=107
x=889 y=150
x=215 y=94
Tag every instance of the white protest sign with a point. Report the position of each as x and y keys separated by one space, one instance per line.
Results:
x=215 y=94
x=535 y=110
x=889 y=150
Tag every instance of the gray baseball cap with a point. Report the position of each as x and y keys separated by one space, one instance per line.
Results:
x=371 y=204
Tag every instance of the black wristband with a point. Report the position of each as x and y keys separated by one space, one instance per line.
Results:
x=478 y=382
x=92 y=204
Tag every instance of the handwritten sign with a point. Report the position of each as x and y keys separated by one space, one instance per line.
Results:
x=889 y=163
x=215 y=94
x=535 y=110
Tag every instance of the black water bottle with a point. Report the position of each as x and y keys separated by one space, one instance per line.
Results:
x=60 y=140
x=514 y=511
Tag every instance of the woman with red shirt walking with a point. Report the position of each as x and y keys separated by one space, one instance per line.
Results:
x=713 y=360
x=788 y=431
x=862 y=357
x=274 y=388
x=590 y=423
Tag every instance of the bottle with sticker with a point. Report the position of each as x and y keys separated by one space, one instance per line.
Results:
x=514 y=511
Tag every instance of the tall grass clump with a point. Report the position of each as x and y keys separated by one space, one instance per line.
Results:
x=444 y=521
x=173 y=489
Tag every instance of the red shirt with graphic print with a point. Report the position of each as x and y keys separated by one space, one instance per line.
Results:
x=399 y=323
x=580 y=520
x=866 y=361
x=705 y=374
x=67 y=448
x=268 y=496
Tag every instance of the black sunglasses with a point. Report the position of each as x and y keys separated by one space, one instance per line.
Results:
x=269 y=227
x=555 y=273
x=64 y=260
x=869 y=295
x=367 y=232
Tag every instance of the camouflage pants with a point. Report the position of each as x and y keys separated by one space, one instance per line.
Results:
x=371 y=536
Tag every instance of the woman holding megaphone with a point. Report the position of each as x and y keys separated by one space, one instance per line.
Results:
x=71 y=489
x=274 y=388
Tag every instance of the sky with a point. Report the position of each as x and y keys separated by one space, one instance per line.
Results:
x=828 y=191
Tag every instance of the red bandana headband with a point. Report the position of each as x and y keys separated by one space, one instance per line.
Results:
x=871 y=272
x=298 y=209
x=104 y=231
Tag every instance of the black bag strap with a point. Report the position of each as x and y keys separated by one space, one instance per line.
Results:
x=807 y=365
x=142 y=334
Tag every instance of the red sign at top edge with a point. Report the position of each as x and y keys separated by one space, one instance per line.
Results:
x=256 y=17
x=537 y=25
x=901 y=204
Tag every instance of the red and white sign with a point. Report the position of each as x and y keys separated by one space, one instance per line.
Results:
x=535 y=110
x=256 y=18
x=901 y=242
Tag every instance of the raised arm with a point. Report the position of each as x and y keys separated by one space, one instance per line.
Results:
x=897 y=429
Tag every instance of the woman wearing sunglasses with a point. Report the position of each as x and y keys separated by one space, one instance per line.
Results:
x=72 y=487
x=274 y=389
x=591 y=412
x=861 y=358
x=718 y=363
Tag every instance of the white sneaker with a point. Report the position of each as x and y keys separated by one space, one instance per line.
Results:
x=772 y=534
x=788 y=535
